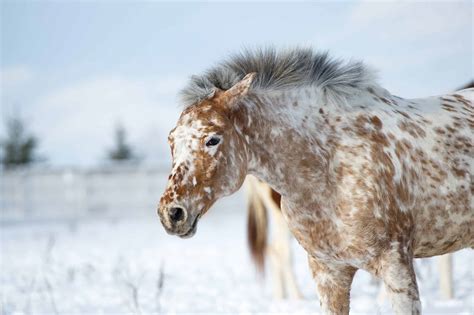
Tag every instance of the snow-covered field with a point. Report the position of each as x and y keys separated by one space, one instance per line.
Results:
x=130 y=265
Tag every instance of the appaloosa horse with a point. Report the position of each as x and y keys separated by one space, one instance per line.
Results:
x=368 y=180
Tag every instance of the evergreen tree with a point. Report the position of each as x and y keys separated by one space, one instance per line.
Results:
x=18 y=147
x=122 y=151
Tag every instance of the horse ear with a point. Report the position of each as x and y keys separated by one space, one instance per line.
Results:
x=231 y=96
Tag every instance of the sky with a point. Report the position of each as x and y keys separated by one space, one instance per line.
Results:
x=74 y=70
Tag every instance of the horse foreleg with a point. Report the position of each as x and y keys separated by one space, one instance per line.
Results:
x=398 y=274
x=334 y=286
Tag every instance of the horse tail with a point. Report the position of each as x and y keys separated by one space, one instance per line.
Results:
x=257 y=224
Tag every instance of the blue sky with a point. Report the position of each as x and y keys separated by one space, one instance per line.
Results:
x=75 y=69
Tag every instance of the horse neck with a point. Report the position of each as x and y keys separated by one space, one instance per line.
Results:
x=287 y=138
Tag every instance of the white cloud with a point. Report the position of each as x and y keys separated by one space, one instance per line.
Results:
x=76 y=123
x=13 y=81
x=420 y=48
x=13 y=77
x=413 y=19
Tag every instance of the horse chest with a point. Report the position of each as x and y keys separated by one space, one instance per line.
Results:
x=324 y=235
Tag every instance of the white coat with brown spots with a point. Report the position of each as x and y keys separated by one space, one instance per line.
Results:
x=368 y=180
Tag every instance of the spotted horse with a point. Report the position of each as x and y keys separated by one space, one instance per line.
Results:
x=368 y=180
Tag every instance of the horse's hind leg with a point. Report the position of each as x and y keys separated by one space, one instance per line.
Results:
x=398 y=274
x=282 y=246
x=334 y=286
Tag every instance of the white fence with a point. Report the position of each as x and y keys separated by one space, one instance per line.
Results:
x=35 y=193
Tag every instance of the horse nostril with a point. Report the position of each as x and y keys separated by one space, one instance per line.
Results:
x=176 y=214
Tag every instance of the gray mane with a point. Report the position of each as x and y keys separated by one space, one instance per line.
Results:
x=278 y=70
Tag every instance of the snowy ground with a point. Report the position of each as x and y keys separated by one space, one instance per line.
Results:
x=129 y=265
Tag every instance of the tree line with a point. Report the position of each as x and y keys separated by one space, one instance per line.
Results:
x=19 y=146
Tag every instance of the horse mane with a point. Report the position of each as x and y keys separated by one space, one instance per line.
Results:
x=279 y=70
x=466 y=86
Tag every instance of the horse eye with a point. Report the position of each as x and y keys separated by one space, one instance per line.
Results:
x=212 y=142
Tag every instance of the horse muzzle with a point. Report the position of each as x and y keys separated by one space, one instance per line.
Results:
x=177 y=221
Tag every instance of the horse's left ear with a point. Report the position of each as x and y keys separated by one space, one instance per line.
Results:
x=231 y=96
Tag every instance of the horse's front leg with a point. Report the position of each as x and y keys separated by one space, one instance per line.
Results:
x=398 y=274
x=334 y=285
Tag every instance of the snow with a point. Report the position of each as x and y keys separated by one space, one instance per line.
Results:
x=128 y=264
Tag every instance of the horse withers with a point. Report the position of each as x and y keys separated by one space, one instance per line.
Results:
x=368 y=180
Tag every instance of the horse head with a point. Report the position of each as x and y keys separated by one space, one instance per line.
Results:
x=209 y=159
